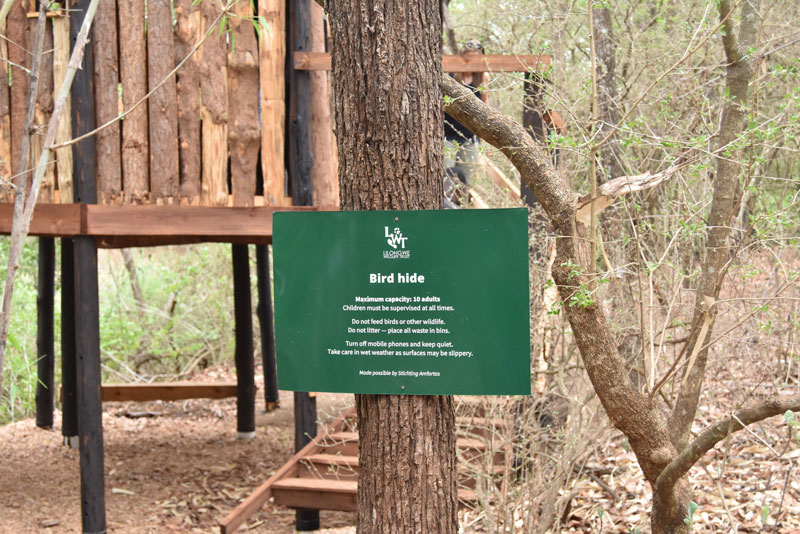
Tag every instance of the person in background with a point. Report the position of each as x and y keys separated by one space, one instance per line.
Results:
x=461 y=145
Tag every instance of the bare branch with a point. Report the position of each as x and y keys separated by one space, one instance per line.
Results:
x=706 y=441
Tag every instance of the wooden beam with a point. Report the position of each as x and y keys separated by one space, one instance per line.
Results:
x=265 y=313
x=49 y=220
x=243 y=357
x=486 y=63
x=167 y=391
x=69 y=399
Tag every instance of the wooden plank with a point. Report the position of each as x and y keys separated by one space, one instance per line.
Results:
x=316 y=494
x=485 y=63
x=133 y=75
x=44 y=108
x=243 y=132
x=214 y=87
x=19 y=40
x=49 y=220
x=187 y=33
x=106 y=73
x=272 y=65
x=63 y=156
x=178 y=221
x=167 y=391
x=163 y=105
x=5 y=122
x=324 y=176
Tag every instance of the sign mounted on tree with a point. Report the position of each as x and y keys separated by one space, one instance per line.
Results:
x=403 y=302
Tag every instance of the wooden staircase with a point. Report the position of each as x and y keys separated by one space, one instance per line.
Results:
x=324 y=474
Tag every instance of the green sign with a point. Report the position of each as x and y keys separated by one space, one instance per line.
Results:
x=403 y=302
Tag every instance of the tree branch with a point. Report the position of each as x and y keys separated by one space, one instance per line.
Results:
x=706 y=441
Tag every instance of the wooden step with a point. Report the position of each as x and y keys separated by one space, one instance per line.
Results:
x=326 y=494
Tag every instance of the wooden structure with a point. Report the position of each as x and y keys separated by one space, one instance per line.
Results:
x=323 y=475
x=218 y=130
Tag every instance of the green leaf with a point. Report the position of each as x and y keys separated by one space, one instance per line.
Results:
x=764 y=514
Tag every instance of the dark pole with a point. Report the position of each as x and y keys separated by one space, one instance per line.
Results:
x=532 y=121
x=300 y=163
x=45 y=363
x=245 y=379
x=267 y=325
x=69 y=380
x=87 y=313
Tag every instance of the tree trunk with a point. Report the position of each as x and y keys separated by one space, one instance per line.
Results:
x=605 y=48
x=386 y=83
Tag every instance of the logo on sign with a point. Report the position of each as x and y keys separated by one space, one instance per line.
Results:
x=395 y=239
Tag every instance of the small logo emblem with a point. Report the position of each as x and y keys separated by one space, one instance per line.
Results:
x=394 y=238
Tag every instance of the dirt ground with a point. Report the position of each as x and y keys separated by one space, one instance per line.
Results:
x=180 y=468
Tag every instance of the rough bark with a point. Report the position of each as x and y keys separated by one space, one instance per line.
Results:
x=44 y=108
x=386 y=72
x=187 y=32
x=106 y=72
x=63 y=155
x=272 y=70
x=214 y=88
x=133 y=72
x=243 y=132
x=738 y=75
x=164 y=168
x=17 y=46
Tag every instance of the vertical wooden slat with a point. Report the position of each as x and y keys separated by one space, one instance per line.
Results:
x=243 y=134
x=187 y=33
x=106 y=72
x=272 y=66
x=324 y=177
x=164 y=167
x=5 y=122
x=63 y=155
x=301 y=157
x=44 y=108
x=69 y=369
x=18 y=43
x=214 y=87
x=133 y=73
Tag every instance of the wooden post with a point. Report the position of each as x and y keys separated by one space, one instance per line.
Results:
x=187 y=33
x=300 y=164
x=106 y=71
x=305 y=429
x=87 y=314
x=301 y=158
x=63 y=156
x=245 y=383
x=5 y=124
x=90 y=404
x=265 y=321
x=133 y=73
x=164 y=166
x=243 y=131
x=69 y=395
x=272 y=75
x=45 y=363
x=324 y=173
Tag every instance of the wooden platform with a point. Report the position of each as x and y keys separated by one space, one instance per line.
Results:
x=324 y=474
x=115 y=226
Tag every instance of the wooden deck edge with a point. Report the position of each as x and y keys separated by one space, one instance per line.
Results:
x=484 y=63
x=153 y=225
